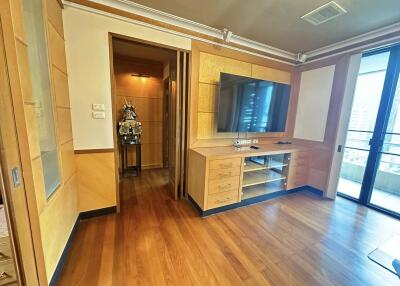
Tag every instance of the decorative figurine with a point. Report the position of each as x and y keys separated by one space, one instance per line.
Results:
x=129 y=128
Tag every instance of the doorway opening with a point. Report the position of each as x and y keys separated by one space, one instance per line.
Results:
x=370 y=169
x=150 y=93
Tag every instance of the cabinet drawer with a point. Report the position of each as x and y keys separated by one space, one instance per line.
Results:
x=222 y=199
x=224 y=173
x=7 y=272
x=225 y=163
x=223 y=185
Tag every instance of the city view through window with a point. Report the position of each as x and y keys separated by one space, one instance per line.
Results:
x=364 y=112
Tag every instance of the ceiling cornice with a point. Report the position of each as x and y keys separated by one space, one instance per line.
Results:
x=237 y=43
x=385 y=34
x=147 y=12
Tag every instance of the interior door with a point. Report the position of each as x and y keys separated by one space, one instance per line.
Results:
x=12 y=185
x=178 y=125
x=174 y=126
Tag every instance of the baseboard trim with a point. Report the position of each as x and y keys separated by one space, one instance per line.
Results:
x=61 y=262
x=313 y=190
x=254 y=200
x=98 y=212
x=71 y=238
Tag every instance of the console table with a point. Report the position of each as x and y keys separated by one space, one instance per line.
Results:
x=221 y=178
x=124 y=145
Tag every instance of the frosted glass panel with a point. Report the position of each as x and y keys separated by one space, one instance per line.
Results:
x=41 y=88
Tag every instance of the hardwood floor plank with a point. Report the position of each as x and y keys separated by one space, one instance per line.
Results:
x=300 y=239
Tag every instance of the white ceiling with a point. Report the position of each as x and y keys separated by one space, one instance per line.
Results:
x=277 y=22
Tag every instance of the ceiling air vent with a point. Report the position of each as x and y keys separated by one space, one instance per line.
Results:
x=324 y=13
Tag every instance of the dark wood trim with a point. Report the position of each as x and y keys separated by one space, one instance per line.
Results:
x=91 y=151
x=145 y=42
x=98 y=212
x=139 y=61
x=254 y=200
x=81 y=216
x=62 y=260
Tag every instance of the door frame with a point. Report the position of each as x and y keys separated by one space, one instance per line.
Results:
x=13 y=68
x=376 y=143
x=111 y=36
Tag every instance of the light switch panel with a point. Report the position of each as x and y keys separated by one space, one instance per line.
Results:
x=98 y=107
x=99 y=114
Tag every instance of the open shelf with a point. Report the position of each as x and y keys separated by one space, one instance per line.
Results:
x=262 y=189
x=261 y=177
x=253 y=166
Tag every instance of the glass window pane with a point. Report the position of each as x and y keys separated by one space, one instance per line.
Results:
x=41 y=88
x=352 y=172
x=368 y=92
x=386 y=191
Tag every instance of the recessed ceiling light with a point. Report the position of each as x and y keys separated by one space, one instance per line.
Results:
x=324 y=13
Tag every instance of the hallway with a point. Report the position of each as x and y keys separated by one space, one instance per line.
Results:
x=299 y=239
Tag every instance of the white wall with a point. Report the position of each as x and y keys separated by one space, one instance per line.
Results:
x=313 y=103
x=87 y=50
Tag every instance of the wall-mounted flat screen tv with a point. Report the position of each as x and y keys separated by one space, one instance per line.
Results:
x=251 y=105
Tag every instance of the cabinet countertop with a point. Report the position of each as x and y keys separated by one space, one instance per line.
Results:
x=264 y=149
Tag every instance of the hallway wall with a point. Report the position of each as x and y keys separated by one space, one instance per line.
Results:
x=147 y=95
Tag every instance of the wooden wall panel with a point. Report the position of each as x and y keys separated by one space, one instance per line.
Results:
x=57 y=221
x=67 y=160
x=54 y=14
x=64 y=124
x=57 y=49
x=211 y=66
x=267 y=73
x=96 y=177
x=207 y=97
x=60 y=81
x=147 y=95
x=207 y=64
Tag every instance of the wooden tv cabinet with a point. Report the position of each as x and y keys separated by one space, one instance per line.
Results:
x=223 y=177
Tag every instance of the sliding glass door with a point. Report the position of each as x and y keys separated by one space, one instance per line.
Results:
x=370 y=170
x=386 y=186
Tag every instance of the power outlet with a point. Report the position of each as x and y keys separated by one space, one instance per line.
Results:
x=99 y=114
x=240 y=142
x=98 y=107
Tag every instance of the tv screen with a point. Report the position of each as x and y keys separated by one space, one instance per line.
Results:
x=251 y=105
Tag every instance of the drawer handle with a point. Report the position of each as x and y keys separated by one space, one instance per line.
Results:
x=227 y=165
x=224 y=186
x=3 y=256
x=223 y=200
x=226 y=174
x=4 y=275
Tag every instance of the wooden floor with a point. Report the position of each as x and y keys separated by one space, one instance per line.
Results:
x=299 y=239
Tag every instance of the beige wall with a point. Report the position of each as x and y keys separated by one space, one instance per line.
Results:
x=89 y=67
